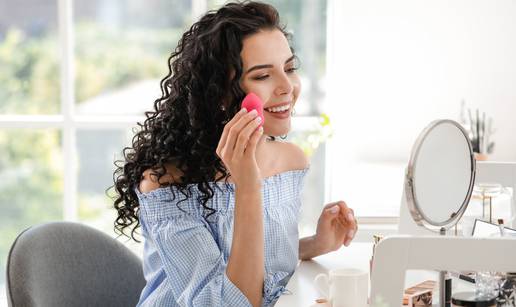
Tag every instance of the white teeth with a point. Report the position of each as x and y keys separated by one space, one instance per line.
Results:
x=279 y=109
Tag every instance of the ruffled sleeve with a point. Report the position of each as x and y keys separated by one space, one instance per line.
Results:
x=190 y=254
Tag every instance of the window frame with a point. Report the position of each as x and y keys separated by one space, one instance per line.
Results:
x=68 y=122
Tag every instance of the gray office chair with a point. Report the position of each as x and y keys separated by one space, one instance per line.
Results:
x=70 y=264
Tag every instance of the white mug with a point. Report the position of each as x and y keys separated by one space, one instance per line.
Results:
x=344 y=287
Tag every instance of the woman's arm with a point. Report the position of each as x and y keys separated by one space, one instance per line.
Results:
x=246 y=262
x=308 y=248
x=237 y=149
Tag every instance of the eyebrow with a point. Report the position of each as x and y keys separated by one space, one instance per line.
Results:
x=268 y=65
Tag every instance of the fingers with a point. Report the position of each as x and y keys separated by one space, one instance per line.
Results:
x=346 y=213
x=330 y=204
x=346 y=218
x=244 y=136
x=331 y=209
x=233 y=131
x=253 y=142
x=352 y=224
x=227 y=127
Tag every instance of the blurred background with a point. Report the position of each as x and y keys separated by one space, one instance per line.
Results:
x=76 y=76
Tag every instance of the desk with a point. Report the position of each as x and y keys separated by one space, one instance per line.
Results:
x=356 y=255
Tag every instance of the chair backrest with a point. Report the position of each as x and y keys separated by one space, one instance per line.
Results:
x=70 y=264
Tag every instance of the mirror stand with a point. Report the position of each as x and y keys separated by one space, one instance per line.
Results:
x=443 y=291
x=443 y=150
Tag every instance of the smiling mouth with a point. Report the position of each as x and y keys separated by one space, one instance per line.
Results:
x=279 y=110
x=278 y=114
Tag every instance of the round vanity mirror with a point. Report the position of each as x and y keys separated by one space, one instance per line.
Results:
x=440 y=175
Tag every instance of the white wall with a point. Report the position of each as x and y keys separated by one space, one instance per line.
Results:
x=396 y=65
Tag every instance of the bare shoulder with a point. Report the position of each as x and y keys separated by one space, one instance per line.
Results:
x=150 y=181
x=292 y=156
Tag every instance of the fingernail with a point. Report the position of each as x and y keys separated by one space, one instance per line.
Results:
x=334 y=209
x=258 y=119
x=351 y=218
x=260 y=129
x=347 y=243
x=351 y=233
x=243 y=110
x=253 y=112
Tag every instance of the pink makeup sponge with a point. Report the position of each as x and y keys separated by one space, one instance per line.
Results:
x=253 y=102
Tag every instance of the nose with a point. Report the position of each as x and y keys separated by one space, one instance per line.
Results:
x=284 y=85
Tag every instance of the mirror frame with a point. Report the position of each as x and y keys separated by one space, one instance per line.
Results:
x=419 y=217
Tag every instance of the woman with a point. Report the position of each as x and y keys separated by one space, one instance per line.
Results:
x=216 y=195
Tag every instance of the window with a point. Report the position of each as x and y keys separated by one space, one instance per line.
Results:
x=121 y=48
x=120 y=55
x=31 y=189
x=29 y=52
x=76 y=77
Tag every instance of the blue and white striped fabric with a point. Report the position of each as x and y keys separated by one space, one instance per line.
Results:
x=185 y=254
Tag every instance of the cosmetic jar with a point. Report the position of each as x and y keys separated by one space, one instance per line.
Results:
x=471 y=299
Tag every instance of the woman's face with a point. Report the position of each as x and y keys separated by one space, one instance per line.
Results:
x=269 y=71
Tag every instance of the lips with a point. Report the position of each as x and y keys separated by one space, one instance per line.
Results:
x=279 y=115
x=277 y=105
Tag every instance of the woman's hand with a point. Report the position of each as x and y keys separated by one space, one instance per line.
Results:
x=237 y=148
x=336 y=227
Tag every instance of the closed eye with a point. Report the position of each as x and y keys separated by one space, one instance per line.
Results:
x=289 y=70
x=261 y=77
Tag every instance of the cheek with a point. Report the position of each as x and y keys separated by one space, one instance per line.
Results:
x=263 y=89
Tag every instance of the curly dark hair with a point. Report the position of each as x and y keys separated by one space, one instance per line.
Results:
x=200 y=94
